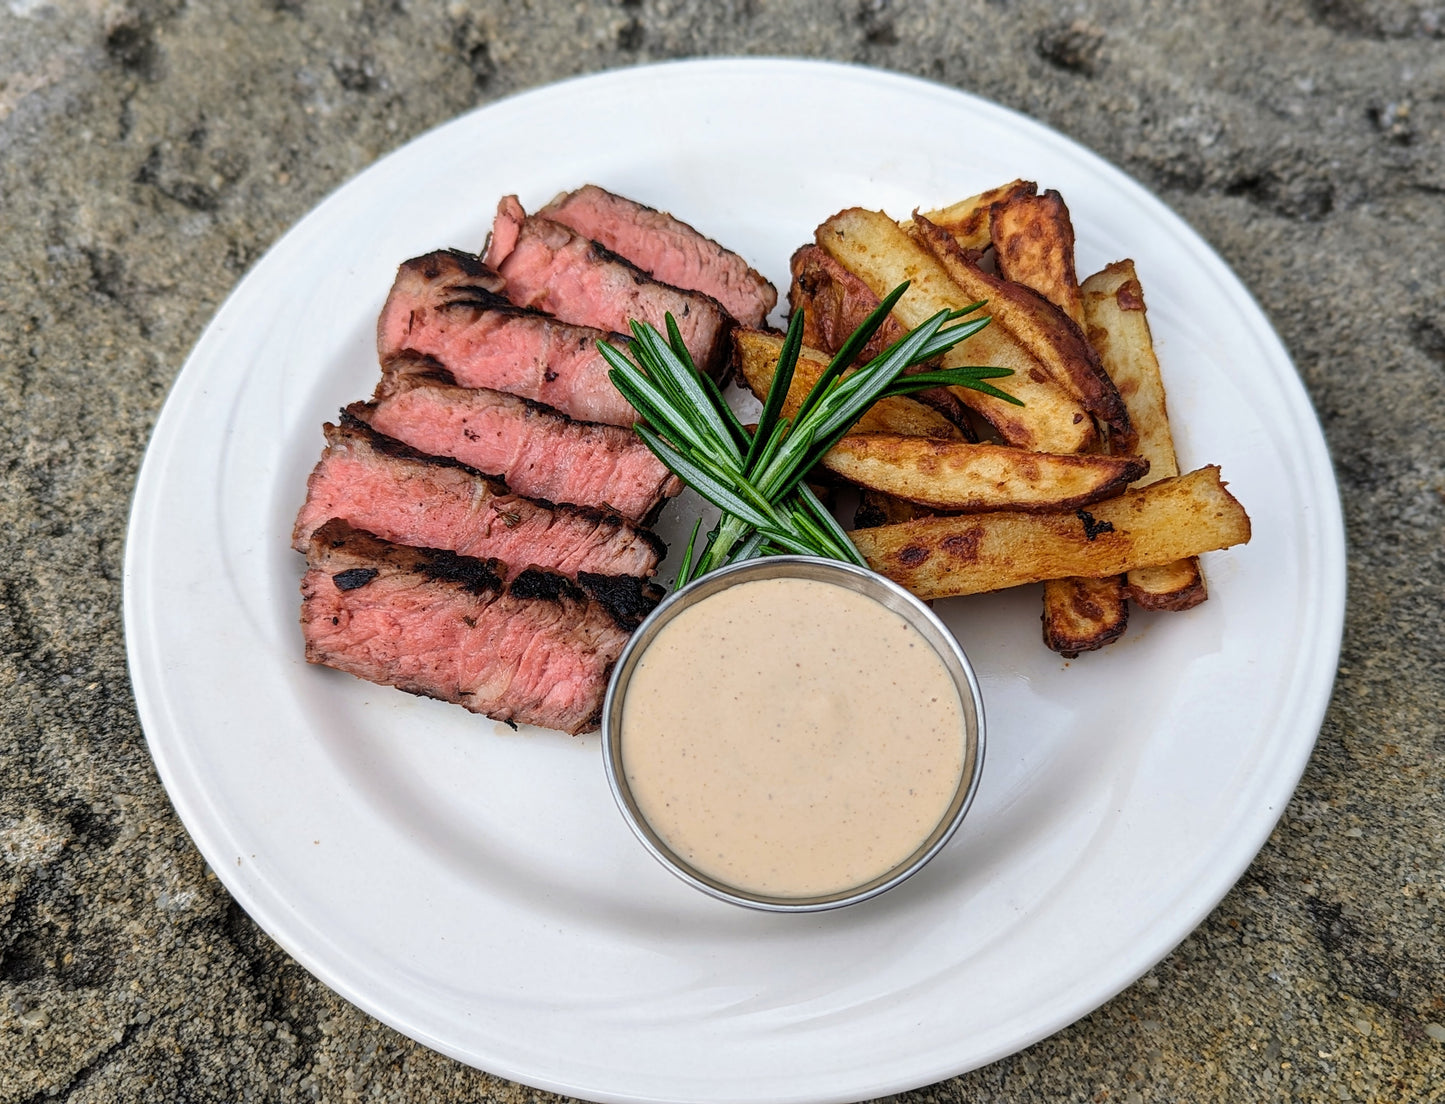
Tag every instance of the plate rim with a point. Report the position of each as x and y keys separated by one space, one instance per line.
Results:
x=1315 y=689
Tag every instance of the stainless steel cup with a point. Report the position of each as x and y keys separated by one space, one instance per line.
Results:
x=858 y=579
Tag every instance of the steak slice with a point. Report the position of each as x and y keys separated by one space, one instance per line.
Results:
x=447 y=305
x=551 y=268
x=538 y=451
x=381 y=485
x=535 y=651
x=667 y=248
x=835 y=302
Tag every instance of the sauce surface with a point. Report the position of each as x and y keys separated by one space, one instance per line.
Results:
x=792 y=738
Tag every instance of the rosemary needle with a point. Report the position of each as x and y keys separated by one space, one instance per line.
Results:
x=756 y=479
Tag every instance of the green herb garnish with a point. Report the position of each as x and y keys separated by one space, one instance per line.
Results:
x=756 y=478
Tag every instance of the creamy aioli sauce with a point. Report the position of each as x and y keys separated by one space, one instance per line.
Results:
x=792 y=738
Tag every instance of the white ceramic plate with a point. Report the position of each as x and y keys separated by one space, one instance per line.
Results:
x=477 y=889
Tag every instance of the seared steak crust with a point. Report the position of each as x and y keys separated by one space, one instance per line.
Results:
x=549 y=267
x=538 y=451
x=447 y=305
x=667 y=248
x=628 y=598
x=388 y=488
x=445 y=626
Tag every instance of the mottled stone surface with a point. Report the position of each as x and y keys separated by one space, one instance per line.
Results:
x=150 y=150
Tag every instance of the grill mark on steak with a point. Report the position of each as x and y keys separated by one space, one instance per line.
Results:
x=473 y=575
x=356 y=577
x=386 y=487
x=538 y=451
x=435 y=265
x=386 y=445
x=550 y=267
x=433 y=623
x=666 y=248
x=440 y=307
x=410 y=369
x=544 y=584
x=629 y=598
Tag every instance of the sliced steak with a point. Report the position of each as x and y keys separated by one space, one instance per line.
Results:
x=535 y=651
x=667 y=248
x=551 y=268
x=538 y=451
x=835 y=302
x=447 y=305
x=381 y=485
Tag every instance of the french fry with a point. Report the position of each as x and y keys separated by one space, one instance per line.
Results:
x=1042 y=328
x=941 y=557
x=1083 y=615
x=873 y=247
x=960 y=477
x=1033 y=241
x=1078 y=353
x=755 y=356
x=1118 y=327
x=834 y=303
x=1169 y=587
x=968 y=220
x=1039 y=299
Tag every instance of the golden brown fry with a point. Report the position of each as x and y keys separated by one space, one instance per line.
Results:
x=1119 y=328
x=1169 y=587
x=834 y=303
x=1082 y=615
x=1041 y=327
x=871 y=246
x=1166 y=521
x=755 y=355
x=968 y=219
x=960 y=477
x=1033 y=240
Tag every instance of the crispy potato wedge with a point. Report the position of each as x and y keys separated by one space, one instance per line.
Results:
x=1033 y=241
x=877 y=508
x=755 y=357
x=872 y=246
x=968 y=219
x=1083 y=615
x=1118 y=327
x=1166 y=521
x=834 y=303
x=1169 y=587
x=960 y=477
x=1042 y=328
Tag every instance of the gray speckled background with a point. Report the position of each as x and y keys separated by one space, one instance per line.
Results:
x=150 y=150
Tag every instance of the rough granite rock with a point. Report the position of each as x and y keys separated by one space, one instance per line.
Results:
x=150 y=150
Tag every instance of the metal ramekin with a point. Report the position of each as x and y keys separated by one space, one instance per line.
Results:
x=859 y=579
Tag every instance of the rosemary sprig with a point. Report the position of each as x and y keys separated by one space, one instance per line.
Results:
x=756 y=479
